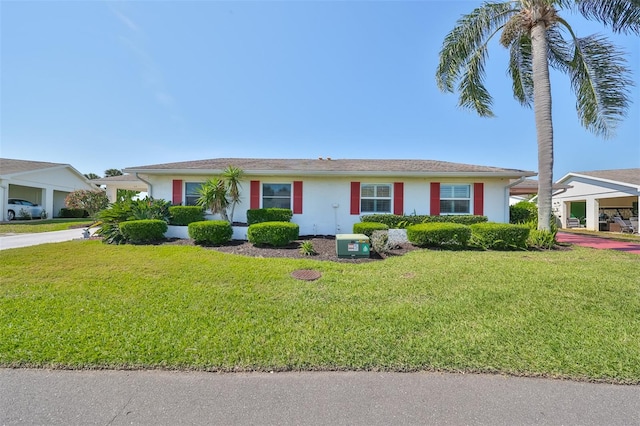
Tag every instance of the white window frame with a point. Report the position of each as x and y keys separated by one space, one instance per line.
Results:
x=188 y=196
x=468 y=199
x=290 y=197
x=375 y=198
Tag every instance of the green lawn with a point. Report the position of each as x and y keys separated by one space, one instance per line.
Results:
x=37 y=225
x=84 y=304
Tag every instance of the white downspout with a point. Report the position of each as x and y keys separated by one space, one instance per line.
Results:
x=149 y=186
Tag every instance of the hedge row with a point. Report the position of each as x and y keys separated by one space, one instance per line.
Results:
x=277 y=234
x=184 y=215
x=396 y=221
x=495 y=236
x=143 y=231
x=268 y=215
x=214 y=232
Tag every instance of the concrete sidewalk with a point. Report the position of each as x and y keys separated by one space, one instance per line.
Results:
x=25 y=240
x=317 y=398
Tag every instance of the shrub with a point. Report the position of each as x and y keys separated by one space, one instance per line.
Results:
x=268 y=215
x=149 y=208
x=499 y=236
x=395 y=221
x=541 y=239
x=210 y=232
x=67 y=212
x=367 y=228
x=144 y=230
x=24 y=214
x=184 y=215
x=523 y=212
x=277 y=234
x=380 y=241
x=439 y=234
x=91 y=201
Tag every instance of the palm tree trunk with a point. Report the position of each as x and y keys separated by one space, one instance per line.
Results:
x=544 y=125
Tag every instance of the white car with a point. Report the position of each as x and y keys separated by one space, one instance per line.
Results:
x=22 y=208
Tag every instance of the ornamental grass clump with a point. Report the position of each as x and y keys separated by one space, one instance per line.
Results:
x=214 y=232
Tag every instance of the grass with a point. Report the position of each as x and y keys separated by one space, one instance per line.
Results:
x=44 y=225
x=83 y=304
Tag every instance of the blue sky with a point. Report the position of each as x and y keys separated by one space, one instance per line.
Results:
x=104 y=85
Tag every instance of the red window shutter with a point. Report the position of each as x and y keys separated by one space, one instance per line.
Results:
x=254 y=197
x=478 y=198
x=435 y=199
x=398 y=198
x=297 y=197
x=176 y=197
x=355 y=197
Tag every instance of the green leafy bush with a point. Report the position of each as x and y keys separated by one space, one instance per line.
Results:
x=307 y=249
x=210 y=232
x=541 y=239
x=68 y=212
x=367 y=228
x=91 y=201
x=184 y=215
x=268 y=215
x=439 y=234
x=499 y=236
x=523 y=212
x=149 y=208
x=109 y=219
x=276 y=234
x=144 y=230
x=395 y=221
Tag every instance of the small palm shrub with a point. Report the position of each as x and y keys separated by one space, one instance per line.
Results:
x=184 y=215
x=367 y=228
x=307 y=249
x=541 y=239
x=143 y=231
x=439 y=234
x=210 y=232
x=499 y=236
x=276 y=234
x=268 y=215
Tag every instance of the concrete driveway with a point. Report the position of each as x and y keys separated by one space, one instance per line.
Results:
x=318 y=398
x=25 y=240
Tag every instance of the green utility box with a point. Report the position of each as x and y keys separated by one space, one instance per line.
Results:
x=352 y=245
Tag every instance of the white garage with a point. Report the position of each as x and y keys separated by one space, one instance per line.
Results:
x=43 y=183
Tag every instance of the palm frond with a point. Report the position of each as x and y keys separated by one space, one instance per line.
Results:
x=464 y=51
x=623 y=16
x=560 y=52
x=601 y=81
x=521 y=69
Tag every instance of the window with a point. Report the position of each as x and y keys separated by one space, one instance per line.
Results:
x=455 y=199
x=276 y=195
x=191 y=193
x=375 y=198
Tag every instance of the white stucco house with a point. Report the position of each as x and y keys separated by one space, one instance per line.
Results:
x=595 y=197
x=328 y=196
x=43 y=183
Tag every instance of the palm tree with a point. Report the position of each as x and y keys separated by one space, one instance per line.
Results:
x=232 y=176
x=537 y=37
x=112 y=172
x=213 y=195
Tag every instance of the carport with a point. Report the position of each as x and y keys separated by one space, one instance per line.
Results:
x=43 y=183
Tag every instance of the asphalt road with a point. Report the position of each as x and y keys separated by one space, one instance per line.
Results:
x=45 y=397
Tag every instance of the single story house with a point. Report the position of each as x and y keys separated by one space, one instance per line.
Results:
x=595 y=197
x=43 y=183
x=527 y=190
x=327 y=196
x=125 y=181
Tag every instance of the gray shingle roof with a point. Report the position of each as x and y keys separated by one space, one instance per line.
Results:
x=330 y=166
x=9 y=166
x=630 y=176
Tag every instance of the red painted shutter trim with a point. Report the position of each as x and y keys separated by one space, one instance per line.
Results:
x=176 y=196
x=254 y=197
x=297 y=197
x=478 y=198
x=355 y=197
x=398 y=198
x=435 y=199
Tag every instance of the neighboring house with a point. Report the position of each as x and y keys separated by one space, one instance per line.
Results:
x=328 y=196
x=527 y=190
x=126 y=181
x=595 y=197
x=46 y=184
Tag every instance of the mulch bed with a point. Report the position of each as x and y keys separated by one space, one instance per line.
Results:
x=325 y=248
